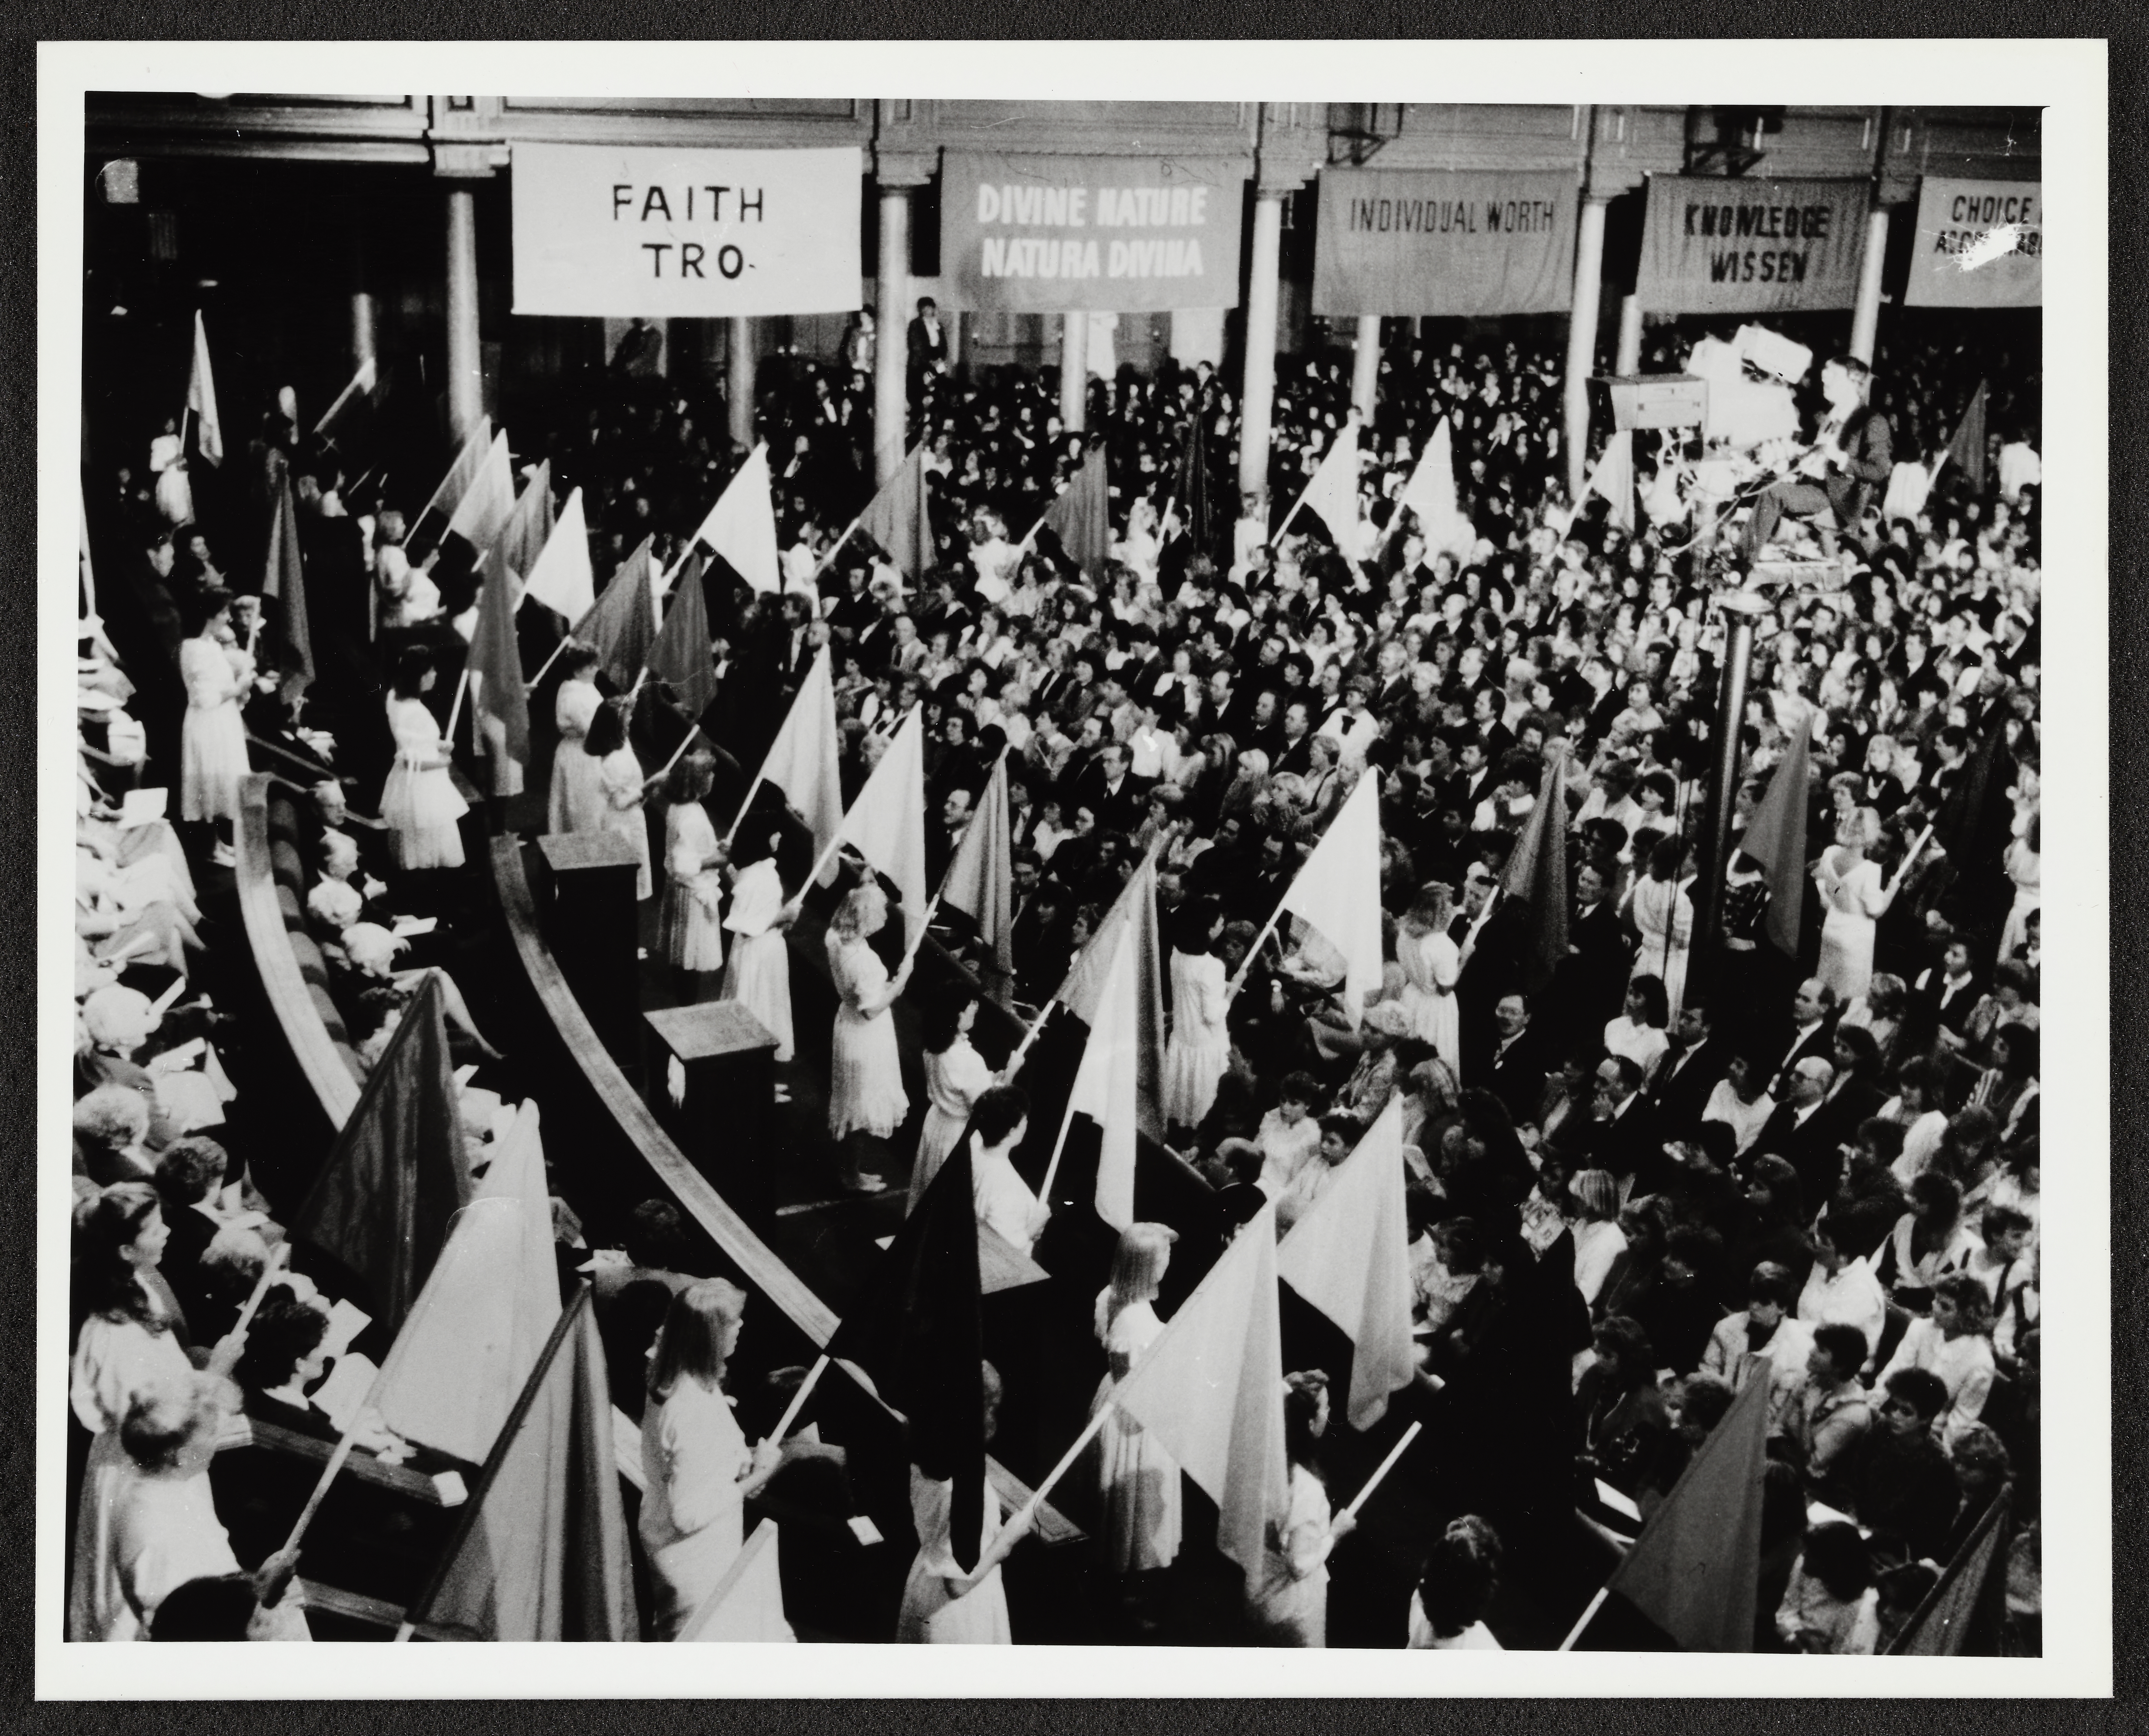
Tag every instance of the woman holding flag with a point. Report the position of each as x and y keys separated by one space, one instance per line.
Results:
x=1138 y=1481
x=1289 y=1605
x=759 y=974
x=865 y=1098
x=693 y=941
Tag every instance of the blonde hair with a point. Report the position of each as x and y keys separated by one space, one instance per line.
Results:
x=1861 y=827
x=692 y=1339
x=1138 y=1264
x=864 y=910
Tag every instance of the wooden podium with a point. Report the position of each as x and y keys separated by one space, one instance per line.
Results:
x=590 y=923
x=725 y=1124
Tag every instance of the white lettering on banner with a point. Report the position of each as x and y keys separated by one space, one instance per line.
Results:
x=1068 y=208
x=667 y=232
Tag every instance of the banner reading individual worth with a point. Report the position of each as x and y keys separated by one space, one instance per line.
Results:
x=1715 y=245
x=1443 y=242
x=623 y=230
x=1980 y=245
x=1060 y=234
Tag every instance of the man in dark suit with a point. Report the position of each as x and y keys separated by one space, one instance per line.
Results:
x=1942 y=999
x=1485 y=934
x=1119 y=799
x=1691 y=1068
x=1297 y=754
x=1521 y=1056
x=927 y=350
x=1855 y=445
x=1801 y=1134
x=1627 y=1139
x=1810 y=1036
x=1592 y=980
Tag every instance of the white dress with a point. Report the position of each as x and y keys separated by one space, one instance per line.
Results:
x=1138 y=1479
x=692 y=935
x=420 y=806
x=1432 y=963
x=1290 y=1605
x=1643 y=1045
x=865 y=1072
x=759 y=974
x=2026 y=868
x=620 y=778
x=1852 y=901
x=929 y=1617
x=576 y=801
x=1003 y=1202
x=115 y=1362
x=1200 y=1046
x=955 y=1079
x=692 y=1522
x=1664 y=915
x=213 y=738
x=165 y=1532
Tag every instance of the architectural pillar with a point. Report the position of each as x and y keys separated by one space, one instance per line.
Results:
x=1073 y=371
x=1582 y=341
x=1257 y=387
x=465 y=361
x=1865 y=315
x=891 y=354
x=1629 y=359
x=1365 y=367
x=738 y=379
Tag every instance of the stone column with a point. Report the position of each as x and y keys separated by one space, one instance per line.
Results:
x=738 y=378
x=1365 y=367
x=465 y=361
x=1257 y=387
x=1629 y=359
x=891 y=411
x=1582 y=341
x=1865 y=316
x=1073 y=371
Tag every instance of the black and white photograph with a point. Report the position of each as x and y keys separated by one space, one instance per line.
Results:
x=1075 y=861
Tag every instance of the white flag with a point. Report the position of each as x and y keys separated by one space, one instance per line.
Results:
x=1613 y=478
x=1104 y=1084
x=1211 y=1389
x=561 y=579
x=1429 y=493
x=886 y=822
x=485 y=509
x=480 y=1324
x=801 y=760
x=1349 y=1256
x=449 y=495
x=1339 y=891
x=1333 y=492
x=742 y=525
x=201 y=398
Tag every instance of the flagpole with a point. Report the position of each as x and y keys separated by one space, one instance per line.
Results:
x=1588 y=1615
x=1253 y=952
x=798 y=1399
x=1066 y=1461
x=1911 y=856
x=821 y=566
x=531 y=685
x=1058 y=1145
x=1029 y=1037
x=269 y=1269
x=455 y=711
x=1387 y=1464
x=679 y=753
x=752 y=790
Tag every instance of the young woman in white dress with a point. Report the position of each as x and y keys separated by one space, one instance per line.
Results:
x=1005 y=1204
x=624 y=789
x=575 y=803
x=420 y=803
x=1200 y=1046
x=1639 y=1032
x=218 y=674
x=165 y=1532
x=1855 y=898
x=944 y=1604
x=759 y=973
x=689 y=918
x=956 y=1076
x=700 y=1471
x=1431 y=964
x=865 y=1098
x=128 y=1346
x=1663 y=913
x=1137 y=1481
x=1288 y=1604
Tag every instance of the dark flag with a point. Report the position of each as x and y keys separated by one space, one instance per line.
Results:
x=1536 y=875
x=1775 y=837
x=540 y=1550
x=398 y=1173
x=896 y=517
x=288 y=646
x=528 y=527
x=917 y=1331
x=681 y=652
x=621 y=623
x=1963 y=1613
x=1966 y=450
x=495 y=663
x=1079 y=516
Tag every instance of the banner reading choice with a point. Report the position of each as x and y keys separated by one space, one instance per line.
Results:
x=1443 y=242
x=1980 y=245
x=1717 y=245
x=1060 y=234
x=619 y=230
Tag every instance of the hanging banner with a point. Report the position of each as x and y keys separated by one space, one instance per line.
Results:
x=1980 y=245
x=1035 y=234
x=1437 y=241
x=1716 y=245
x=612 y=231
